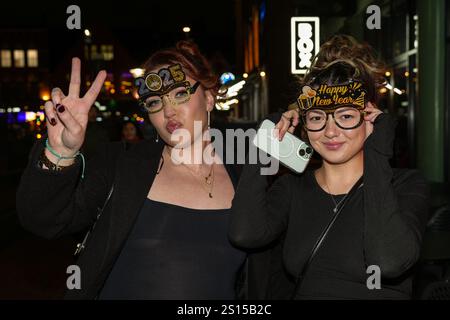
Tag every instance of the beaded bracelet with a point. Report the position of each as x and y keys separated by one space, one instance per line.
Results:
x=61 y=157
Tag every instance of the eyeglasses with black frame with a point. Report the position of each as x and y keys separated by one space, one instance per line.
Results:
x=346 y=117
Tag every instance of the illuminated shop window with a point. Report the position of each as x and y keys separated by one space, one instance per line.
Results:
x=6 y=59
x=19 y=58
x=32 y=58
x=107 y=52
x=94 y=54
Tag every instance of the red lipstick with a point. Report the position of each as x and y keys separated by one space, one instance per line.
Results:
x=172 y=125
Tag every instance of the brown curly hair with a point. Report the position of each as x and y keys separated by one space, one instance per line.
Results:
x=194 y=63
x=342 y=59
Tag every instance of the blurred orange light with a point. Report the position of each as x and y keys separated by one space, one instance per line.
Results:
x=38 y=136
x=44 y=93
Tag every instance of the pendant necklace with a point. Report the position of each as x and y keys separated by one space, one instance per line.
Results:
x=336 y=204
x=208 y=180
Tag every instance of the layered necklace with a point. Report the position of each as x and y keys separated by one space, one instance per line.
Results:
x=207 y=182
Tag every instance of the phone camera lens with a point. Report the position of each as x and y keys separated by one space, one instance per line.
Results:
x=302 y=152
x=308 y=150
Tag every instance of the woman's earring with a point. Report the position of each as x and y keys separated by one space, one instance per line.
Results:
x=209 y=120
x=157 y=137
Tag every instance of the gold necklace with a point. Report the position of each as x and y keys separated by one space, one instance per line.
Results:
x=208 y=180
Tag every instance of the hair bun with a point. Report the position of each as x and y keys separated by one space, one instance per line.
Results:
x=189 y=47
x=342 y=57
x=345 y=48
x=194 y=63
x=339 y=47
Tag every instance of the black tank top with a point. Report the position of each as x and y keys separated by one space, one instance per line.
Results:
x=175 y=252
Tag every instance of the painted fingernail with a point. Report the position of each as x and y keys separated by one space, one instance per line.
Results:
x=60 y=108
x=53 y=121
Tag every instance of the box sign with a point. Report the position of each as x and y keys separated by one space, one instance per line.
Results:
x=305 y=42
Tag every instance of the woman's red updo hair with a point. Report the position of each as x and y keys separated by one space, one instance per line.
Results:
x=194 y=63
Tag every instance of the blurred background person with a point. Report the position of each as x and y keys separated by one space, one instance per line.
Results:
x=96 y=134
x=131 y=132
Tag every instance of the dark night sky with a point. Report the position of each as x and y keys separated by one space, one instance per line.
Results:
x=140 y=26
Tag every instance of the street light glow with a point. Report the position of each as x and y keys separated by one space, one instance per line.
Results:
x=137 y=72
x=87 y=33
x=186 y=29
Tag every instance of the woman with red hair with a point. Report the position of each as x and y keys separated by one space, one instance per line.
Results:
x=162 y=228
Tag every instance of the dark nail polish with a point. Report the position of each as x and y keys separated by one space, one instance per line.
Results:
x=60 y=108
x=52 y=121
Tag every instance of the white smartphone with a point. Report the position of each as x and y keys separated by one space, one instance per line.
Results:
x=291 y=151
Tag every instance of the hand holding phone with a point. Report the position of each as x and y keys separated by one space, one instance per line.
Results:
x=291 y=151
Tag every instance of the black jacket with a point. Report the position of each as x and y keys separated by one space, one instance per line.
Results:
x=395 y=212
x=53 y=204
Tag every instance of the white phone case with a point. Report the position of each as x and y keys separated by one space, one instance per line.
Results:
x=291 y=151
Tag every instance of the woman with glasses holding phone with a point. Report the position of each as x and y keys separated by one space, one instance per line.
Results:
x=352 y=229
x=162 y=228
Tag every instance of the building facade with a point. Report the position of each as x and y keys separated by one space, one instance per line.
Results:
x=413 y=41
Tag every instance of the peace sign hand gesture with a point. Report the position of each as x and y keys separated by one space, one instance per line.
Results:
x=67 y=116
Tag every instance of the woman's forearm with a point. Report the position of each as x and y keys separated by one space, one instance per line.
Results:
x=396 y=207
x=53 y=203
x=259 y=215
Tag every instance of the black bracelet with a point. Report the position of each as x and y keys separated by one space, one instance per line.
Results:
x=43 y=160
